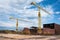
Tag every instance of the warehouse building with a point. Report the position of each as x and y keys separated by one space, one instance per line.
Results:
x=32 y=30
x=51 y=28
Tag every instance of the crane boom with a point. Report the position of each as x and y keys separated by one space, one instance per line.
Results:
x=20 y=19
x=17 y=21
x=39 y=7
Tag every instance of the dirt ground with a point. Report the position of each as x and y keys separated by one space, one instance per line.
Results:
x=28 y=37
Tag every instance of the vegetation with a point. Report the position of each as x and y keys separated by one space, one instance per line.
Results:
x=8 y=31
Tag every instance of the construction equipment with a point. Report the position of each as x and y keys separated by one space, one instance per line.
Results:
x=17 y=22
x=39 y=16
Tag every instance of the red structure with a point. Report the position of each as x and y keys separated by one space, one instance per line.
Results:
x=48 y=31
x=57 y=28
x=51 y=28
x=26 y=31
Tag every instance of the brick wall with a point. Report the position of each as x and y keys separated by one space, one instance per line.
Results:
x=57 y=28
x=48 y=31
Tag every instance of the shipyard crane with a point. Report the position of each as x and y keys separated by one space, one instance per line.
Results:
x=17 y=21
x=39 y=16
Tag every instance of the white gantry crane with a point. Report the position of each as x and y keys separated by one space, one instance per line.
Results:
x=39 y=16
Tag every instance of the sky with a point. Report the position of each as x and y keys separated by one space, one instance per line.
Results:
x=23 y=9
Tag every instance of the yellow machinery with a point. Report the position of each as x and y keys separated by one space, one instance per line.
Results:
x=39 y=16
x=17 y=22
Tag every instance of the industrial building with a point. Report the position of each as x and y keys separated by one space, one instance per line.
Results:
x=48 y=29
x=51 y=28
x=33 y=30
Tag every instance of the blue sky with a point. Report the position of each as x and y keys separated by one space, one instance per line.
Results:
x=23 y=9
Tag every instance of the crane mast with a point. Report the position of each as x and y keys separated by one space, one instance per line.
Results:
x=39 y=18
x=39 y=31
x=17 y=21
x=16 y=25
x=39 y=23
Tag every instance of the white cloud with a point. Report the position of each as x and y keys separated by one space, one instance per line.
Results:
x=39 y=0
x=49 y=9
x=57 y=12
x=13 y=24
x=58 y=18
x=7 y=24
x=17 y=8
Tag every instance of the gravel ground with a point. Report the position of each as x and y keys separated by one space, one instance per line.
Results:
x=27 y=37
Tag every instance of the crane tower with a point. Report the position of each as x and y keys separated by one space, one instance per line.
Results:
x=39 y=16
